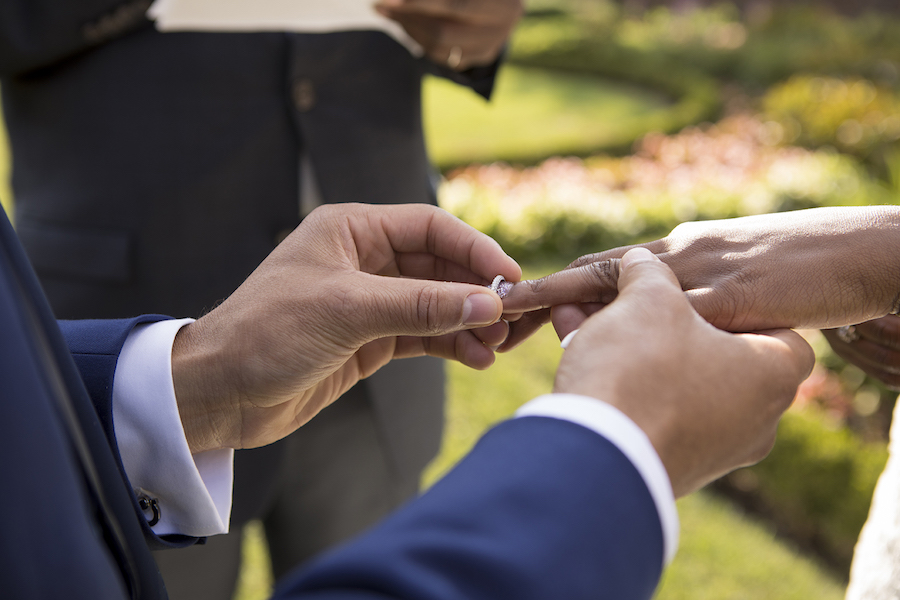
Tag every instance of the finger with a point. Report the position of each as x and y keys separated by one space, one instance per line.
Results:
x=890 y=380
x=420 y=228
x=492 y=335
x=657 y=247
x=460 y=45
x=789 y=349
x=429 y=266
x=463 y=347
x=869 y=356
x=524 y=328
x=884 y=331
x=474 y=11
x=653 y=275
x=463 y=47
x=641 y=272
x=567 y=318
x=391 y=306
x=889 y=376
x=592 y=282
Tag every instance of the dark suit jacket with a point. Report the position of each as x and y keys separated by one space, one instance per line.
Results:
x=153 y=172
x=540 y=509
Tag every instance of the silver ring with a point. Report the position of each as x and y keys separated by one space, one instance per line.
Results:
x=847 y=334
x=500 y=286
x=455 y=57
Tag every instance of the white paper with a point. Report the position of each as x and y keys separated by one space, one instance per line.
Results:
x=311 y=16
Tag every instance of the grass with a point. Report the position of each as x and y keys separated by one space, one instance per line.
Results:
x=725 y=555
x=533 y=114
x=5 y=164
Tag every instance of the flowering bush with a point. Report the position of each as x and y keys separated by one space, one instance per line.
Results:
x=567 y=206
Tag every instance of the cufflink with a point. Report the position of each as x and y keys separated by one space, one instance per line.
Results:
x=148 y=503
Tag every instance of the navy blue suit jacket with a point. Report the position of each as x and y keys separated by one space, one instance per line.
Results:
x=540 y=509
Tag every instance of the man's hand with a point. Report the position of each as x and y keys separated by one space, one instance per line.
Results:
x=873 y=346
x=353 y=287
x=458 y=33
x=816 y=268
x=708 y=400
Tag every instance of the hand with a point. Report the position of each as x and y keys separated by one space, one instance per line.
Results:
x=350 y=289
x=873 y=346
x=816 y=268
x=708 y=400
x=457 y=33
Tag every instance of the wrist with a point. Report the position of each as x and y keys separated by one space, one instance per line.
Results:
x=877 y=262
x=200 y=380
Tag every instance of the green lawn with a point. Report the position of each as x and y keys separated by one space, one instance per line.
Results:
x=533 y=114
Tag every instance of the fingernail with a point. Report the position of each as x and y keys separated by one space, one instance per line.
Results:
x=568 y=339
x=389 y=3
x=479 y=309
x=636 y=255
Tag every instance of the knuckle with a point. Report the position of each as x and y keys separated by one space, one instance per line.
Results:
x=605 y=272
x=428 y=311
x=584 y=260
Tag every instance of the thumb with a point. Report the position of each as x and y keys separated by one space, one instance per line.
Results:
x=642 y=272
x=398 y=306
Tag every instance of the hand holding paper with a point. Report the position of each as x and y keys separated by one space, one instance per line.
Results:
x=459 y=34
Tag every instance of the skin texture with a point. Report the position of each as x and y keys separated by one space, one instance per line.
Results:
x=353 y=287
x=708 y=400
x=817 y=268
x=478 y=28
x=876 y=351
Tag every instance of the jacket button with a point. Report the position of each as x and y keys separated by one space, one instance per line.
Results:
x=304 y=94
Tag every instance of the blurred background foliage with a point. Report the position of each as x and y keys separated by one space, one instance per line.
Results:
x=615 y=121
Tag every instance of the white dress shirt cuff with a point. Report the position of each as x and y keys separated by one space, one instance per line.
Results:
x=193 y=491
x=612 y=424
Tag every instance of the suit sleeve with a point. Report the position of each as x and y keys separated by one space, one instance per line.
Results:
x=480 y=79
x=39 y=33
x=95 y=346
x=541 y=508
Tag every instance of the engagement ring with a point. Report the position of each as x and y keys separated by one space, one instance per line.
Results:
x=500 y=286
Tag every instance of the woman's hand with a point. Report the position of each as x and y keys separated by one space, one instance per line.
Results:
x=873 y=346
x=817 y=268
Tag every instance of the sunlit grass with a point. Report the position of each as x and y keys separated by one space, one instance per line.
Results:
x=255 y=579
x=533 y=114
x=725 y=555
x=5 y=164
